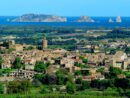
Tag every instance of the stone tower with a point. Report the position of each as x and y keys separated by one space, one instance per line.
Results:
x=44 y=43
x=11 y=43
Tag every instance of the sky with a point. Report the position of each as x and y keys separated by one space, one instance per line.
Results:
x=66 y=7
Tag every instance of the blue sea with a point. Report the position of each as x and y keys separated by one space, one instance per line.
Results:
x=100 y=22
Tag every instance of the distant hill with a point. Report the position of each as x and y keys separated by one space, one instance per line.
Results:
x=39 y=18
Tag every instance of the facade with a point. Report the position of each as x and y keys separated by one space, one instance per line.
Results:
x=22 y=74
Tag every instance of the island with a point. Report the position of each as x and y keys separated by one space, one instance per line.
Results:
x=39 y=18
x=118 y=19
x=85 y=19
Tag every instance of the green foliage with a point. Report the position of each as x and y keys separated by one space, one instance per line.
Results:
x=78 y=81
x=36 y=83
x=70 y=88
x=101 y=70
x=82 y=73
x=2 y=51
x=85 y=72
x=111 y=83
x=113 y=72
x=40 y=66
x=17 y=64
x=85 y=61
x=100 y=84
x=50 y=79
x=127 y=74
x=81 y=57
x=45 y=90
x=112 y=51
x=121 y=91
x=127 y=50
x=85 y=85
x=11 y=50
x=81 y=65
x=128 y=94
x=62 y=71
x=111 y=92
x=19 y=86
x=5 y=71
x=1 y=61
x=122 y=83
x=1 y=88
x=78 y=72
x=116 y=33
x=55 y=95
x=29 y=48
x=103 y=84
x=39 y=77
x=26 y=85
x=61 y=79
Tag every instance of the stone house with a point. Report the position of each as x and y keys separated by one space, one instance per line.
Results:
x=22 y=74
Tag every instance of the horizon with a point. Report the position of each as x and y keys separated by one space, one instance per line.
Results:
x=102 y=8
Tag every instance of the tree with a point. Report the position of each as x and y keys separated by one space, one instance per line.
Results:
x=121 y=91
x=85 y=85
x=85 y=61
x=113 y=72
x=94 y=83
x=70 y=88
x=36 y=83
x=14 y=87
x=61 y=79
x=78 y=81
x=101 y=70
x=112 y=51
x=17 y=64
x=122 y=83
x=50 y=79
x=25 y=86
x=1 y=88
x=29 y=48
x=1 y=61
x=111 y=83
x=78 y=72
x=127 y=50
x=40 y=66
x=39 y=77
x=103 y=84
x=19 y=86
x=85 y=72
x=128 y=94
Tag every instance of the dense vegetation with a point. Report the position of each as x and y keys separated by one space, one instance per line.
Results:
x=44 y=84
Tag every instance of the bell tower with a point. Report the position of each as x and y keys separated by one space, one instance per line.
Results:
x=44 y=43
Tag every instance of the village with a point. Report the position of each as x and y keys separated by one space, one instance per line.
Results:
x=71 y=61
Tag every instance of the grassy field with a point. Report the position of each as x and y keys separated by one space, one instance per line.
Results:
x=54 y=96
x=89 y=93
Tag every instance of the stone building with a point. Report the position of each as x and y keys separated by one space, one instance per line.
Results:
x=12 y=45
x=44 y=43
x=22 y=74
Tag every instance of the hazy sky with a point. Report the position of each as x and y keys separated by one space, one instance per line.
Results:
x=66 y=7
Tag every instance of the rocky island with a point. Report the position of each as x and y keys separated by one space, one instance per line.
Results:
x=118 y=19
x=39 y=18
x=85 y=19
x=111 y=20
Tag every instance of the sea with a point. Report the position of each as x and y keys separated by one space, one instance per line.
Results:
x=100 y=22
